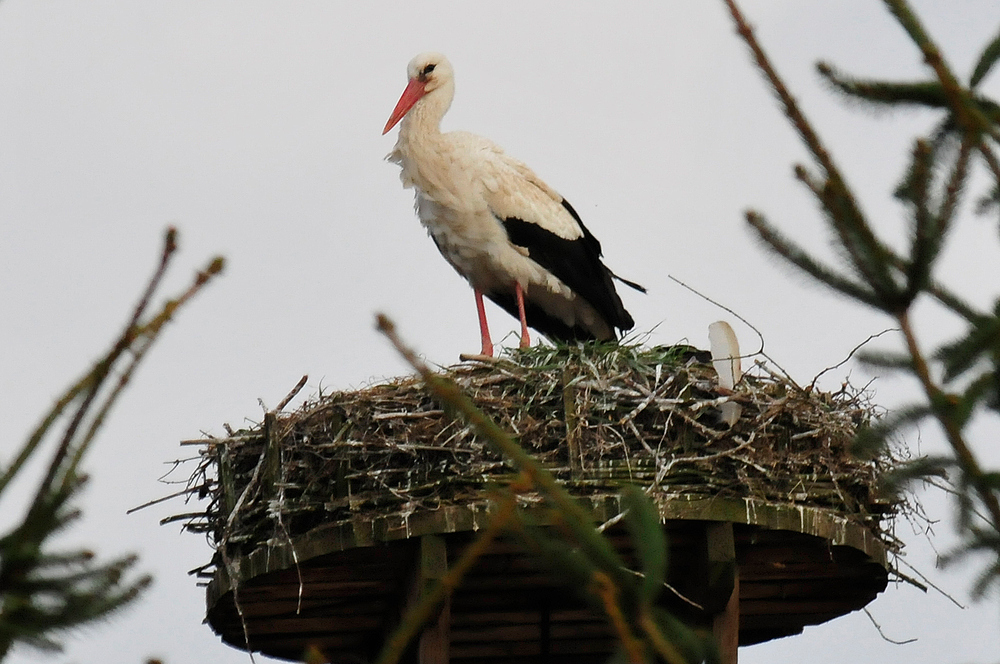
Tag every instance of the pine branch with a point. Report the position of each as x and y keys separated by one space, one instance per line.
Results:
x=929 y=231
x=991 y=160
x=43 y=592
x=953 y=191
x=932 y=56
x=146 y=334
x=989 y=57
x=920 y=93
x=794 y=254
x=924 y=240
x=981 y=342
x=891 y=282
x=968 y=115
x=868 y=255
x=937 y=398
x=944 y=296
x=790 y=106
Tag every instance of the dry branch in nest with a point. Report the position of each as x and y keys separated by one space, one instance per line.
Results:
x=597 y=418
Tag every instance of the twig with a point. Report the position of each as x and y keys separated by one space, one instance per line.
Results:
x=760 y=336
x=847 y=359
x=279 y=508
x=640 y=575
x=478 y=357
x=929 y=583
x=219 y=441
x=882 y=634
x=156 y=501
x=908 y=579
x=650 y=397
x=291 y=395
x=405 y=415
x=783 y=376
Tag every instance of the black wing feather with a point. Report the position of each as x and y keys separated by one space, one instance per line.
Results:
x=592 y=241
x=577 y=263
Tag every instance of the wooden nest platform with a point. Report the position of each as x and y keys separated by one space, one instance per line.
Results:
x=326 y=519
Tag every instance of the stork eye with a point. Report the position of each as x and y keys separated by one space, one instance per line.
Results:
x=428 y=69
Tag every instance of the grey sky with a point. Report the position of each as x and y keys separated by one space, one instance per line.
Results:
x=255 y=128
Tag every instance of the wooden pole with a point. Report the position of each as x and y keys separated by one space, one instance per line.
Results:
x=726 y=627
x=434 y=640
x=722 y=556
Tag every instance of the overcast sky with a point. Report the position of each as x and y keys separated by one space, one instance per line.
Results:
x=254 y=127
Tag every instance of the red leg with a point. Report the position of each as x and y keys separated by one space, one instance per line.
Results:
x=525 y=339
x=484 y=329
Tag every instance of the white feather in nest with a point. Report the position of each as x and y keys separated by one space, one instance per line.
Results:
x=726 y=360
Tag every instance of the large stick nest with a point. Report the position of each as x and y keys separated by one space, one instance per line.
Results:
x=597 y=418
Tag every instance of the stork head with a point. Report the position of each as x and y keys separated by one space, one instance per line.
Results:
x=427 y=72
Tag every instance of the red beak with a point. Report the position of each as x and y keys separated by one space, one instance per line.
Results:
x=411 y=95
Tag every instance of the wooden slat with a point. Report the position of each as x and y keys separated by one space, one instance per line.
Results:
x=346 y=623
x=518 y=617
x=796 y=609
x=529 y=648
x=784 y=622
x=292 y=645
x=805 y=588
x=278 y=609
x=532 y=632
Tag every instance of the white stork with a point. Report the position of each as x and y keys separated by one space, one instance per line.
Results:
x=508 y=233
